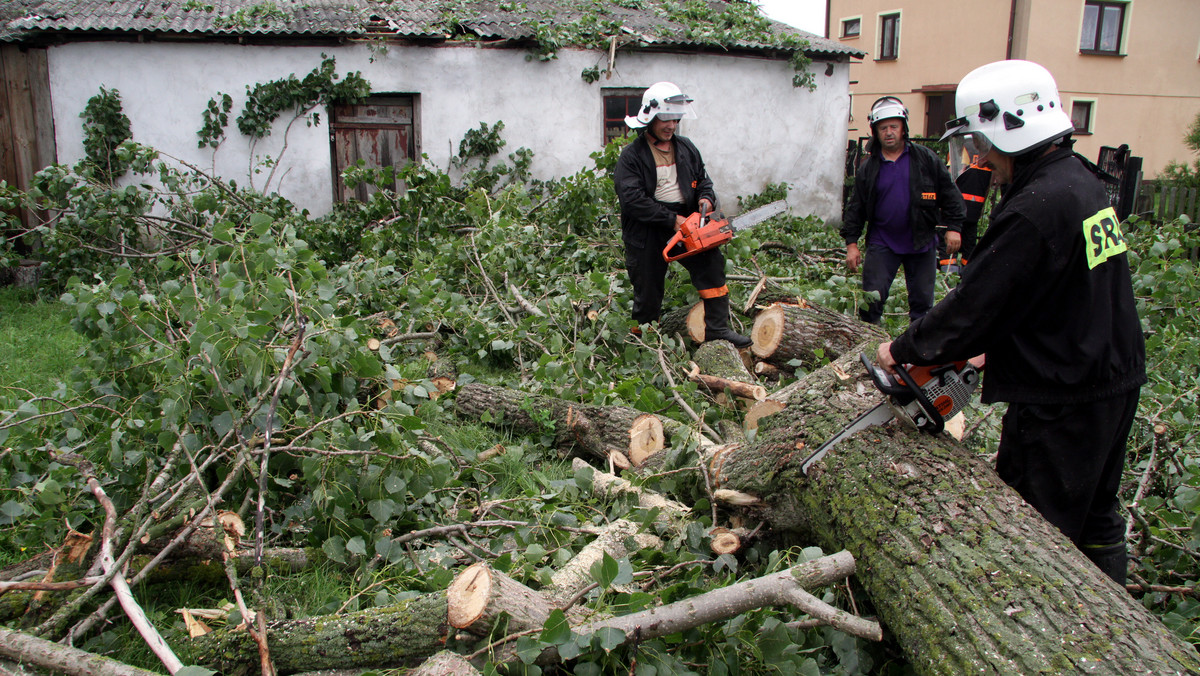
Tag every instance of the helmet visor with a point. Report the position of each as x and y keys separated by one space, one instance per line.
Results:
x=967 y=149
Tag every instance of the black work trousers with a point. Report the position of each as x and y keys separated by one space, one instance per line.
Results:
x=648 y=274
x=880 y=265
x=1066 y=461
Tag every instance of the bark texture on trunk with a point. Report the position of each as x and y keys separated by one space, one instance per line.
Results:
x=401 y=634
x=784 y=332
x=597 y=430
x=965 y=574
x=61 y=659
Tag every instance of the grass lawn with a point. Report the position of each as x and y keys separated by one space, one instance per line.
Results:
x=38 y=348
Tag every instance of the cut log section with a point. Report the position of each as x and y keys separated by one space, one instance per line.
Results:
x=445 y=663
x=784 y=332
x=611 y=433
x=481 y=595
x=717 y=384
x=688 y=322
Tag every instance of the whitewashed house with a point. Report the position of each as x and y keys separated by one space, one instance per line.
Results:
x=436 y=69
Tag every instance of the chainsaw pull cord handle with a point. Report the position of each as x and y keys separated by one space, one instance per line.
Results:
x=937 y=424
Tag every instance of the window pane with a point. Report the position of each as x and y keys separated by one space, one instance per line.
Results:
x=1110 y=29
x=887 y=47
x=1087 y=38
x=1081 y=113
x=614 y=107
x=850 y=28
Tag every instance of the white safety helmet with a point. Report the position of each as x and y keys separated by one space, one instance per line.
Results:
x=1012 y=106
x=885 y=108
x=665 y=100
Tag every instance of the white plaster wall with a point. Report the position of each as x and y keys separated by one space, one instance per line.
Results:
x=754 y=127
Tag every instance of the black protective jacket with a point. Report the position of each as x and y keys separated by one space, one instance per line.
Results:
x=1047 y=295
x=935 y=200
x=635 y=178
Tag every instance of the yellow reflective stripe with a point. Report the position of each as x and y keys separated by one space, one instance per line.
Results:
x=1102 y=237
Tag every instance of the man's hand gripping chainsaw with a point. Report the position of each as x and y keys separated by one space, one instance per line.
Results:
x=921 y=396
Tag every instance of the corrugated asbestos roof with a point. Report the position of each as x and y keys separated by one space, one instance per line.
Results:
x=515 y=20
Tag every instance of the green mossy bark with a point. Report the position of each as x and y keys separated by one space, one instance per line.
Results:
x=602 y=428
x=965 y=574
x=403 y=634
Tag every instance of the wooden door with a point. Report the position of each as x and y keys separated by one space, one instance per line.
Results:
x=380 y=131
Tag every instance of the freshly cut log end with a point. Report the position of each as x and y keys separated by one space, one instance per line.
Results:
x=767 y=332
x=761 y=409
x=468 y=595
x=645 y=439
x=481 y=596
x=724 y=541
x=695 y=322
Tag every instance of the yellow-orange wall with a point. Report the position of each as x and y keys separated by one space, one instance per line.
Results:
x=1146 y=98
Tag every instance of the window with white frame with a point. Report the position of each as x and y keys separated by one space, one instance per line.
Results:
x=889 y=37
x=1103 y=26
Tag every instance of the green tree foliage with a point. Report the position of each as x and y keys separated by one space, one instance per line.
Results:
x=105 y=128
x=228 y=354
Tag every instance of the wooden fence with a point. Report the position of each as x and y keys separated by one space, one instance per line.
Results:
x=1159 y=203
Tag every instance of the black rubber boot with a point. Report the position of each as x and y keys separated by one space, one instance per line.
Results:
x=716 y=323
x=1111 y=560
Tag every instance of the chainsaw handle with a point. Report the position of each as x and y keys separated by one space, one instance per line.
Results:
x=671 y=243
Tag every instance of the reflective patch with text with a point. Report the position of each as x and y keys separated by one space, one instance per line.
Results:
x=1102 y=237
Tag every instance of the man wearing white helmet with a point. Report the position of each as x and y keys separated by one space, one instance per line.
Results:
x=1048 y=298
x=903 y=193
x=660 y=180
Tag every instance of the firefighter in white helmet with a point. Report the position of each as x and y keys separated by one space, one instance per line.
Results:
x=1048 y=298
x=660 y=180
x=902 y=195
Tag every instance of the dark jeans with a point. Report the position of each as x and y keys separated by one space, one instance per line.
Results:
x=880 y=265
x=1066 y=461
x=648 y=274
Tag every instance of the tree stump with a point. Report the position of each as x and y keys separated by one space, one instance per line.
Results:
x=784 y=332
x=624 y=435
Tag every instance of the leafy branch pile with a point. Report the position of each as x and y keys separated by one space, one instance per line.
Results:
x=249 y=365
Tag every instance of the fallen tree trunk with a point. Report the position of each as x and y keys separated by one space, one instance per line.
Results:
x=402 y=634
x=623 y=435
x=60 y=659
x=968 y=577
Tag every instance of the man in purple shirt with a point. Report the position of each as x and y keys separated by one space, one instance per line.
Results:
x=902 y=194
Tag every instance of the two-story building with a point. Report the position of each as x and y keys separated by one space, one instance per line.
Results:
x=1128 y=70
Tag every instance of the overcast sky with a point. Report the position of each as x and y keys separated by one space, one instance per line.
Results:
x=806 y=15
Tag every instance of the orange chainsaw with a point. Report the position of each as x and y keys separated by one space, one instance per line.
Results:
x=921 y=396
x=700 y=233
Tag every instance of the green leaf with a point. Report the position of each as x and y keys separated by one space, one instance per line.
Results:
x=195 y=671
x=335 y=548
x=556 y=630
x=610 y=638
x=605 y=571
x=356 y=545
